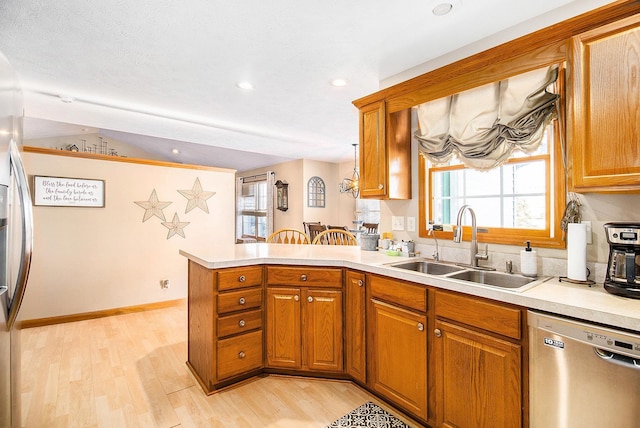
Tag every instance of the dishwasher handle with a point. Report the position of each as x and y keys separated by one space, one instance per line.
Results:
x=622 y=360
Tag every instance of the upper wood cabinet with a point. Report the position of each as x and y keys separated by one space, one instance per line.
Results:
x=605 y=85
x=385 y=153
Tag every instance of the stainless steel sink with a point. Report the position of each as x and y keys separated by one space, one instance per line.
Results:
x=496 y=279
x=432 y=268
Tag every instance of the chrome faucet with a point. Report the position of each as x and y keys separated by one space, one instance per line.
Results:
x=474 y=256
x=436 y=254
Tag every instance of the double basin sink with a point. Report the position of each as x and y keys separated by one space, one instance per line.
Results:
x=508 y=281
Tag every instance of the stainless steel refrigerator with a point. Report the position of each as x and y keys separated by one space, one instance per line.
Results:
x=16 y=242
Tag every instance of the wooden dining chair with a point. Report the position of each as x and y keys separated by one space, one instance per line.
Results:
x=370 y=227
x=288 y=236
x=305 y=225
x=338 y=227
x=314 y=229
x=335 y=237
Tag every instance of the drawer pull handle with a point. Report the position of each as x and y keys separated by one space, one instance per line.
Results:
x=310 y=299
x=241 y=323
x=296 y=298
x=303 y=277
x=360 y=283
x=242 y=301
x=437 y=332
x=241 y=355
x=420 y=326
x=242 y=278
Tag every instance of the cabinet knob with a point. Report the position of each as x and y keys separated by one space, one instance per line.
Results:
x=360 y=283
x=241 y=323
x=242 y=301
x=241 y=355
x=437 y=332
x=296 y=298
x=309 y=299
x=420 y=326
x=380 y=186
x=242 y=278
x=303 y=277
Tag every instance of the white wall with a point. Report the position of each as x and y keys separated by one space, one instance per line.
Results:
x=91 y=259
x=338 y=209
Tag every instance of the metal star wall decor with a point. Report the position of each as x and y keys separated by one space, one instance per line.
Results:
x=153 y=207
x=196 y=197
x=175 y=226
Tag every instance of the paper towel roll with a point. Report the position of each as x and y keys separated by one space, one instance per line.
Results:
x=577 y=251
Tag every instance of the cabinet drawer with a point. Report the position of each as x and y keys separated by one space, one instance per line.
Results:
x=480 y=313
x=242 y=277
x=239 y=354
x=239 y=300
x=401 y=293
x=305 y=276
x=239 y=323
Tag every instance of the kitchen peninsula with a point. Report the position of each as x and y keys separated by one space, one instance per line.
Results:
x=340 y=312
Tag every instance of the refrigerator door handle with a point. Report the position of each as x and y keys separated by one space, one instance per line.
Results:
x=26 y=209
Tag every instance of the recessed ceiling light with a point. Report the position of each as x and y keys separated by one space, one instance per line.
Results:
x=244 y=85
x=442 y=9
x=339 y=82
x=175 y=151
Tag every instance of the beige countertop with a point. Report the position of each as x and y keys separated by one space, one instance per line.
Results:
x=578 y=301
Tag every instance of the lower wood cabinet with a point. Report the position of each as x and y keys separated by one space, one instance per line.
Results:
x=225 y=334
x=355 y=326
x=304 y=324
x=478 y=360
x=445 y=358
x=397 y=343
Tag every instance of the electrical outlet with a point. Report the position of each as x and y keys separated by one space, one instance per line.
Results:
x=411 y=224
x=164 y=283
x=397 y=222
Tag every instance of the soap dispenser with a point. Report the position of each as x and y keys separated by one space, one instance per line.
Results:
x=529 y=261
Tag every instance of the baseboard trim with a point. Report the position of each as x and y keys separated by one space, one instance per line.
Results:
x=39 y=322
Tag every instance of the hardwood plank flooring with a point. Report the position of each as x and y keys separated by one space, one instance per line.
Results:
x=129 y=371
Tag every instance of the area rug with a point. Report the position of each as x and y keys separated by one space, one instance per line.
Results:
x=368 y=415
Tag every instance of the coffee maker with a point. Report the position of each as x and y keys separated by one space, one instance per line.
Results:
x=623 y=269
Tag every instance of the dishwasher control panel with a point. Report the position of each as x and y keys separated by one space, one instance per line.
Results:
x=599 y=337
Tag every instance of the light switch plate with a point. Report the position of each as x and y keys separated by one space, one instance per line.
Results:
x=397 y=222
x=589 y=237
x=411 y=224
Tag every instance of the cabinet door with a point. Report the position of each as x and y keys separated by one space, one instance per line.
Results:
x=373 y=152
x=283 y=328
x=606 y=98
x=323 y=329
x=398 y=342
x=478 y=379
x=355 y=340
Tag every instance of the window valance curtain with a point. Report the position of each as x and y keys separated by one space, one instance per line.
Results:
x=484 y=125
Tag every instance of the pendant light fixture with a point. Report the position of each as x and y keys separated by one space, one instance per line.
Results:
x=352 y=185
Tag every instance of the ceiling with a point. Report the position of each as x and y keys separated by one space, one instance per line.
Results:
x=162 y=74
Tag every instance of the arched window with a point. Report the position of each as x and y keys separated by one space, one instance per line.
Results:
x=316 y=192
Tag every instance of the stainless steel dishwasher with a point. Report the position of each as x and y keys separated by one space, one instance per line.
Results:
x=582 y=375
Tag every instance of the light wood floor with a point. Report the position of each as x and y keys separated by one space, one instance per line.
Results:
x=129 y=371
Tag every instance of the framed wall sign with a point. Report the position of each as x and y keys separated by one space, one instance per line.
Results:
x=68 y=192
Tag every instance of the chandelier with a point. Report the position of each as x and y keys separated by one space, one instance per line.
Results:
x=352 y=185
